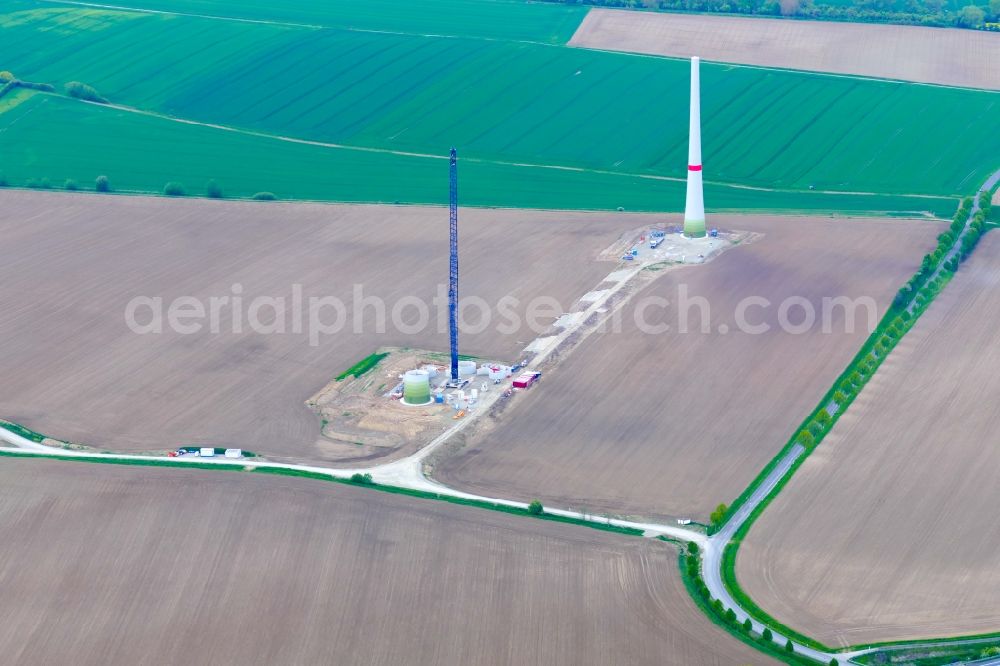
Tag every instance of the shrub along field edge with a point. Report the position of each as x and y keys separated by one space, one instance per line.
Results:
x=894 y=323
x=355 y=480
x=910 y=303
x=690 y=567
x=43 y=143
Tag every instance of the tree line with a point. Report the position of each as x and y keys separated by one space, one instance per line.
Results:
x=981 y=15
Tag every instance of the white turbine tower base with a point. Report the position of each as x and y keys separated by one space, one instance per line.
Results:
x=694 y=208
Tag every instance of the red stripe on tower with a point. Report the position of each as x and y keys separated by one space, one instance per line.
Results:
x=694 y=167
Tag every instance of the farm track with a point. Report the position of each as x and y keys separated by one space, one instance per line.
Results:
x=634 y=425
x=713 y=557
x=525 y=115
x=905 y=472
x=531 y=165
x=177 y=563
x=409 y=473
x=290 y=24
x=89 y=256
x=40 y=136
x=413 y=478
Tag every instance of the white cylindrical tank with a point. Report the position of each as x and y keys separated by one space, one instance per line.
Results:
x=466 y=368
x=475 y=394
x=416 y=387
x=432 y=371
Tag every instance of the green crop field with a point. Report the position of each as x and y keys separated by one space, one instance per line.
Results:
x=492 y=19
x=321 y=72
x=57 y=138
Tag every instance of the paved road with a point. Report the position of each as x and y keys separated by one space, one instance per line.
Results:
x=408 y=473
x=716 y=544
x=712 y=562
x=987 y=662
x=415 y=482
x=956 y=248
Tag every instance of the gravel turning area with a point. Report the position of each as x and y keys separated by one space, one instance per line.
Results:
x=70 y=264
x=669 y=425
x=887 y=532
x=950 y=57
x=129 y=565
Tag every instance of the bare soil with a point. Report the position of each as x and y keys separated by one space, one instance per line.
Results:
x=888 y=531
x=359 y=421
x=950 y=57
x=667 y=424
x=128 y=565
x=70 y=264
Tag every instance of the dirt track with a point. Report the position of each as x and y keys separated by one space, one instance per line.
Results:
x=670 y=425
x=69 y=265
x=949 y=57
x=888 y=531
x=127 y=565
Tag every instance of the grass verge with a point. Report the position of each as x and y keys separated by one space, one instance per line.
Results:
x=913 y=300
x=150 y=462
x=736 y=630
x=910 y=302
x=732 y=548
x=111 y=460
x=17 y=429
x=362 y=366
x=481 y=504
x=931 y=656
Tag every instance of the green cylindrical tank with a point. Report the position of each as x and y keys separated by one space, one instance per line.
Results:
x=417 y=387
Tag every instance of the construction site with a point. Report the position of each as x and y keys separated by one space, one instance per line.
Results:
x=591 y=433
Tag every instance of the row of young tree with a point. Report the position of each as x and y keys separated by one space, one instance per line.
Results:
x=984 y=15
x=934 y=271
x=103 y=184
x=727 y=616
x=916 y=293
x=74 y=88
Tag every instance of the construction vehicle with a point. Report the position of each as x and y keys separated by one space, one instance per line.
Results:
x=525 y=380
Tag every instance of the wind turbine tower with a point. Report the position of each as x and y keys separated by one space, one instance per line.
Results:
x=694 y=208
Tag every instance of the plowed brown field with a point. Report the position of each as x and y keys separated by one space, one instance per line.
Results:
x=127 y=565
x=70 y=264
x=950 y=57
x=888 y=531
x=671 y=424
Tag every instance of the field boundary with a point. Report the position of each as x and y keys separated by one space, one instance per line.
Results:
x=580 y=40
x=299 y=25
x=937 y=270
x=903 y=203
x=771 y=648
x=510 y=163
x=354 y=480
x=919 y=298
x=846 y=384
x=566 y=44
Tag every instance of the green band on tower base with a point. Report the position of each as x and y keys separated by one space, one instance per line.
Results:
x=694 y=228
